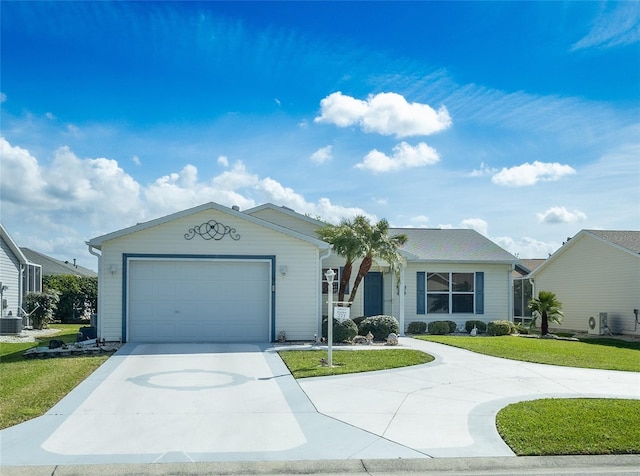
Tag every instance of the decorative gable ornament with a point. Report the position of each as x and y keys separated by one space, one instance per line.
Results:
x=212 y=230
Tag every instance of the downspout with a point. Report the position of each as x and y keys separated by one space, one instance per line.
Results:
x=99 y=310
x=322 y=258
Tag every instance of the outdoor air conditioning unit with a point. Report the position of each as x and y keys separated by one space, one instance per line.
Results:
x=598 y=325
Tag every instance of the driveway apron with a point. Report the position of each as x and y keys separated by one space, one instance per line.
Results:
x=189 y=402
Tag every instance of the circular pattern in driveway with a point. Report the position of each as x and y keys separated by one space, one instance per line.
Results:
x=189 y=379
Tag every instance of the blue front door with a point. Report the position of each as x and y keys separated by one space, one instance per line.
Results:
x=373 y=294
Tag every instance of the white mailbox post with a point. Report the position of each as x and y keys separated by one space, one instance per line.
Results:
x=330 y=275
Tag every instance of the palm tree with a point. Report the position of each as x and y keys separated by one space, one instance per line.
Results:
x=376 y=243
x=347 y=244
x=548 y=308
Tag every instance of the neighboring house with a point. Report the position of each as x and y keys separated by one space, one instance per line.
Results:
x=213 y=273
x=52 y=267
x=18 y=275
x=597 y=271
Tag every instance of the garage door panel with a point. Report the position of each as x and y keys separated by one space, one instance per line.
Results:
x=199 y=300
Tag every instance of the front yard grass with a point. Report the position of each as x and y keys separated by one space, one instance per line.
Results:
x=580 y=426
x=31 y=387
x=307 y=363
x=590 y=353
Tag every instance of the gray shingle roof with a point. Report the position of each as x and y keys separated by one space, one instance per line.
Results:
x=52 y=266
x=429 y=244
x=626 y=239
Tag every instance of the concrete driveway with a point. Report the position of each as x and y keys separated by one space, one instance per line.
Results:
x=238 y=402
x=189 y=402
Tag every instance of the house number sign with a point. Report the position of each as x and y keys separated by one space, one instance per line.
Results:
x=212 y=230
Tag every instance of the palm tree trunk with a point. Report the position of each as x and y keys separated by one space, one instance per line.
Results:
x=344 y=280
x=544 y=325
x=365 y=266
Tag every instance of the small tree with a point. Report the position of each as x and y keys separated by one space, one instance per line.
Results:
x=41 y=306
x=548 y=308
x=345 y=243
x=376 y=243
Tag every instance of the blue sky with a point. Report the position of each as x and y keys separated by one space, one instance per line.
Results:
x=518 y=119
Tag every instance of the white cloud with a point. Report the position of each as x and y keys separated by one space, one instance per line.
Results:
x=19 y=171
x=404 y=156
x=616 y=27
x=483 y=171
x=223 y=160
x=477 y=224
x=322 y=155
x=3 y=97
x=49 y=115
x=529 y=174
x=136 y=160
x=561 y=215
x=384 y=113
x=527 y=248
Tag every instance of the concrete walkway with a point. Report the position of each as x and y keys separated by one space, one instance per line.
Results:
x=447 y=408
x=175 y=403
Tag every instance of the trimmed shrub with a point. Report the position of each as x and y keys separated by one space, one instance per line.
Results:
x=343 y=331
x=439 y=328
x=417 y=327
x=379 y=326
x=480 y=325
x=520 y=329
x=500 y=328
x=452 y=326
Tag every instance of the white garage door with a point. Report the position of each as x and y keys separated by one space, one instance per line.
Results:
x=198 y=301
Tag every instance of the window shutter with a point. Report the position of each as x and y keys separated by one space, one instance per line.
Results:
x=420 y=293
x=480 y=292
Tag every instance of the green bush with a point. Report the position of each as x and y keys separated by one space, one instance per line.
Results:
x=78 y=296
x=452 y=326
x=379 y=326
x=480 y=325
x=343 y=331
x=520 y=329
x=439 y=328
x=41 y=307
x=417 y=327
x=500 y=328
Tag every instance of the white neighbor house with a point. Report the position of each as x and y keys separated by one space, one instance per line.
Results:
x=217 y=274
x=596 y=271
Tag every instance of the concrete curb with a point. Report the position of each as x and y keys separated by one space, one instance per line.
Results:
x=531 y=465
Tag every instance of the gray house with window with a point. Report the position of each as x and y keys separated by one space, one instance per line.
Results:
x=212 y=273
x=18 y=276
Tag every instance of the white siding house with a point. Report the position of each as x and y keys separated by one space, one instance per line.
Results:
x=209 y=273
x=213 y=273
x=17 y=275
x=597 y=271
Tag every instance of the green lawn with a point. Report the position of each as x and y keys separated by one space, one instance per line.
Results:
x=571 y=427
x=306 y=363
x=31 y=387
x=592 y=353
